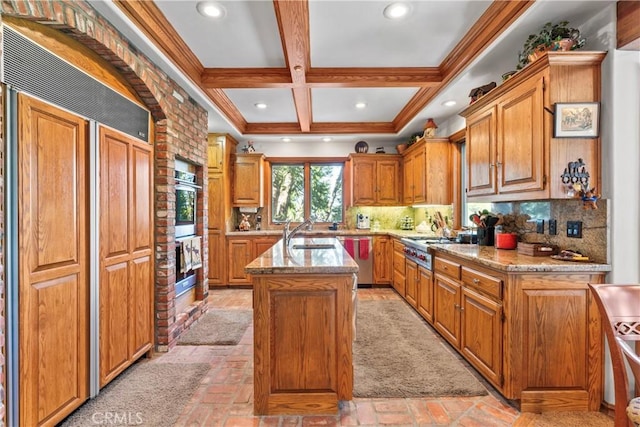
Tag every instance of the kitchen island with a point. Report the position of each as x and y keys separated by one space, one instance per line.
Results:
x=303 y=316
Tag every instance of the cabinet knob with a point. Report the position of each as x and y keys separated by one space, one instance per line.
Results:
x=476 y=281
x=499 y=164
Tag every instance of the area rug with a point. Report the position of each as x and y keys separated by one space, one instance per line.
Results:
x=396 y=354
x=146 y=394
x=218 y=327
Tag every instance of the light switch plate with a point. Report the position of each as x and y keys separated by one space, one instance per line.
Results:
x=553 y=227
x=574 y=229
x=540 y=226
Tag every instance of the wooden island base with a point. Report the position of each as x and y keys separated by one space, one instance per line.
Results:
x=302 y=343
x=303 y=318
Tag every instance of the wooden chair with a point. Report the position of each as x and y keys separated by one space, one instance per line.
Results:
x=619 y=306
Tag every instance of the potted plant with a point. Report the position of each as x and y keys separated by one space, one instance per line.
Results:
x=551 y=37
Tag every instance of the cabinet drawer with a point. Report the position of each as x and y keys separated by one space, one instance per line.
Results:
x=446 y=267
x=482 y=282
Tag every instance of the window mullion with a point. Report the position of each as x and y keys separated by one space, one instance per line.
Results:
x=307 y=190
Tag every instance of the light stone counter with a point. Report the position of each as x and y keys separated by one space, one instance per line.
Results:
x=511 y=260
x=275 y=260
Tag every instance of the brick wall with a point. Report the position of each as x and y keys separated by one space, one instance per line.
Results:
x=180 y=131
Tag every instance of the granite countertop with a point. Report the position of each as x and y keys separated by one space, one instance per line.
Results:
x=332 y=233
x=275 y=260
x=511 y=260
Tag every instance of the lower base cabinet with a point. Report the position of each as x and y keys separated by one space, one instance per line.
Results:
x=241 y=251
x=411 y=283
x=536 y=336
x=398 y=267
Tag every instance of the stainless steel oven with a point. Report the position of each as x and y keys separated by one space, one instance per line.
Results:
x=417 y=250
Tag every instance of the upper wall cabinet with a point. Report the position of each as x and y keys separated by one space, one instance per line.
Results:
x=428 y=172
x=511 y=153
x=248 y=173
x=376 y=179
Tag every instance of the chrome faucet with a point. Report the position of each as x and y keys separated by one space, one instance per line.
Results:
x=288 y=235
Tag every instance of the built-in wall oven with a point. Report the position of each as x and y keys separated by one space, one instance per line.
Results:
x=186 y=198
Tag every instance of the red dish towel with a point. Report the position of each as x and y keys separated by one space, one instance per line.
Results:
x=348 y=245
x=364 y=249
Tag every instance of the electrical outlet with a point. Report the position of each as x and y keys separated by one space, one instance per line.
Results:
x=553 y=227
x=574 y=229
x=540 y=226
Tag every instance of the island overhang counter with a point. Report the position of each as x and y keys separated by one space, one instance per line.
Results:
x=304 y=298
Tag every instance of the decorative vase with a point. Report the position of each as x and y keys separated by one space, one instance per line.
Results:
x=401 y=148
x=537 y=52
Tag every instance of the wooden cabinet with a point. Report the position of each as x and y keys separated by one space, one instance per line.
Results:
x=241 y=251
x=398 y=267
x=382 y=260
x=447 y=307
x=302 y=342
x=376 y=179
x=126 y=252
x=468 y=319
x=536 y=336
x=219 y=204
x=411 y=282
x=215 y=152
x=248 y=176
x=510 y=150
x=428 y=172
x=425 y=294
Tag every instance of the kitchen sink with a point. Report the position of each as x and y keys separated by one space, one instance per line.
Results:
x=314 y=246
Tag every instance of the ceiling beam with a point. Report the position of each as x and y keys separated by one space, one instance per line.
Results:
x=293 y=21
x=336 y=128
x=374 y=77
x=493 y=22
x=321 y=77
x=246 y=78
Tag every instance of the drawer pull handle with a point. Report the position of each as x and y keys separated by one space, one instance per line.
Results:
x=476 y=281
x=444 y=267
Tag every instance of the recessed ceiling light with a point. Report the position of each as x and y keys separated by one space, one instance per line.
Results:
x=397 y=10
x=211 y=9
x=449 y=103
x=326 y=139
x=361 y=105
x=286 y=139
x=261 y=105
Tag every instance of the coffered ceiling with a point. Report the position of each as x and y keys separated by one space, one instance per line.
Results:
x=311 y=61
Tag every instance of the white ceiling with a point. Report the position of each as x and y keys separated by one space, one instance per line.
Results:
x=345 y=34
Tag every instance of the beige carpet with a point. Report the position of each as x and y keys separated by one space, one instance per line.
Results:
x=564 y=419
x=146 y=394
x=396 y=354
x=218 y=327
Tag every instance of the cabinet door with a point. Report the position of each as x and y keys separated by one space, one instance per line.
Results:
x=411 y=282
x=447 y=308
x=520 y=145
x=247 y=180
x=419 y=177
x=480 y=146
x=215 y=153
x=437 y=174
x=216 y=202
x=364 y=181
x=217 y=258
x=388 y=183
x=262 y=244
x=408 y=184
x=425 y=294
x=240 y=253
x=481 y=338
x=382 y=260
x=398 y=267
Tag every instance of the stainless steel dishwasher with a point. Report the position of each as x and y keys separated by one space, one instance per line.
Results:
x=361 y=250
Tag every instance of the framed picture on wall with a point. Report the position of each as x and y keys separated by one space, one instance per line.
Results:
x=576 y=120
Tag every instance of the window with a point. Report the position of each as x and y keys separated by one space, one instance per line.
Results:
x=307 y=189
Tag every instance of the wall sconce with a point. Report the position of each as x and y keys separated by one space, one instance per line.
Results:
x=430 y=128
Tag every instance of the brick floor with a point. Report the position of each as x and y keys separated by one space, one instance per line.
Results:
x=225 y=396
